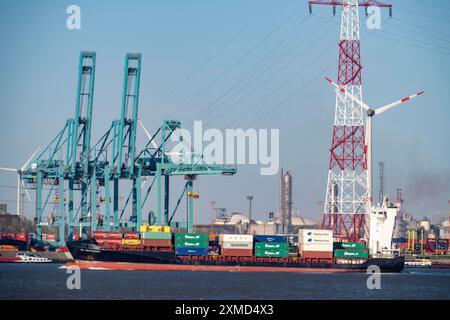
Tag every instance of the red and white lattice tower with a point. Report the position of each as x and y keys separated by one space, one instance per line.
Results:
x=347 y=201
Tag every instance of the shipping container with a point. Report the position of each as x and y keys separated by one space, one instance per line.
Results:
x=271 y=245
x=237 y=245
x=156 y=243
x=327 y=247
x=113 y=241
x=191 y=236
x=147 y=228
x=278 y=253
x=316 y=255
x=213 y=237
x=351 y=254
x=349 y=245
x=50 y=237
x=131 y=242
x=315 y=233
x=235 y=238
x=156 y=235
x=131 y=235
x=191 y=244
x=21 y=236
x=261 y=238
x=114 y=235
x=99 y=235
x=237 y=252
x=191 y=251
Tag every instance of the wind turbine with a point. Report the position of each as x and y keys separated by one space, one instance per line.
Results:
x=19 y=172
x=370 y=114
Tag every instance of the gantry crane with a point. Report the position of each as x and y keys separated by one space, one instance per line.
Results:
x=67 y=157
x=69 y=163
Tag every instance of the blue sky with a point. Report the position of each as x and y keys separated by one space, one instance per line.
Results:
x=197 y=51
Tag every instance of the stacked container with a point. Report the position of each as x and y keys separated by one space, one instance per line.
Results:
x=191 y=244
x=111 y=238
x=315 y=243
x=236 y=245
x=147 y=228
x=156 y=236
x=350 y=250
x=271 y=246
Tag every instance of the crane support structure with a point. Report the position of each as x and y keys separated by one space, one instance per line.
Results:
x=85 y=180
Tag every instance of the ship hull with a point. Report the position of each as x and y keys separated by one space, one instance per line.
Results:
x=83 y=252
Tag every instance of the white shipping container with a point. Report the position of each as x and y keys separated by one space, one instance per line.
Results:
x=235 y=238
x=237 y=245
x=315 y=233
x=315 y=247
x=316 y=240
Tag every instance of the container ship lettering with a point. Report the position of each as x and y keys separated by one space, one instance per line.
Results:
x=156 y=248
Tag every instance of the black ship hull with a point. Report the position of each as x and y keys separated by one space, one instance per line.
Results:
x=85 y=250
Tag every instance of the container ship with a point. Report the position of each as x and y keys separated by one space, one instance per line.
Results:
x=157 y=248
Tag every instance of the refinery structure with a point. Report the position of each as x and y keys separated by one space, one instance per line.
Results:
x=82 y=178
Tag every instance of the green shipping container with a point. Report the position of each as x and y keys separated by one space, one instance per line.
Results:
x=281 y=253
x=191 y=237
x=271 y=245
x=351 y=254
x=191 y=244
x=349 y=245
x=156 y=235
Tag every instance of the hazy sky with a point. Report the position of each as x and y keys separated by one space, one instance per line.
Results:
x=264 y=60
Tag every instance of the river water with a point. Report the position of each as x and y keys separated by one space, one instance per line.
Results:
x=49 y=281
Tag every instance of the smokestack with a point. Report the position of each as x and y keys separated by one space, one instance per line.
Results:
x=286 y=201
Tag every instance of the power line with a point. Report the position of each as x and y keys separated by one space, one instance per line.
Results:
x=423 y=14
x=412 y=44
x=421 y=27
x=299 y=89
x=270 y=77
x=420 y=33
x=265 y=57
x=416 y=40
x=257 y=76
x=430 y=3
x=234 y=64
x=214 y=55
x=281 y=86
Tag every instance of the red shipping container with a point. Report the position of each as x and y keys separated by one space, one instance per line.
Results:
x=156 y=243
x=51 y=237
x=21 y=236
x=131 y=235
x=114 y=235
x=99 y=235
x=101 y=241
x=237 y=252
x=114 y=241
x=316 y=254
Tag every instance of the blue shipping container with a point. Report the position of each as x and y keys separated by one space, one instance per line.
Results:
x=191 y=251
x=270 y=239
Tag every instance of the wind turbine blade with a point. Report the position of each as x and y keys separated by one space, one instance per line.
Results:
x=8 y=169
x=149 y=136
x=343 y=90
x=26 y=191
x=25 y=165
x=396 y=103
